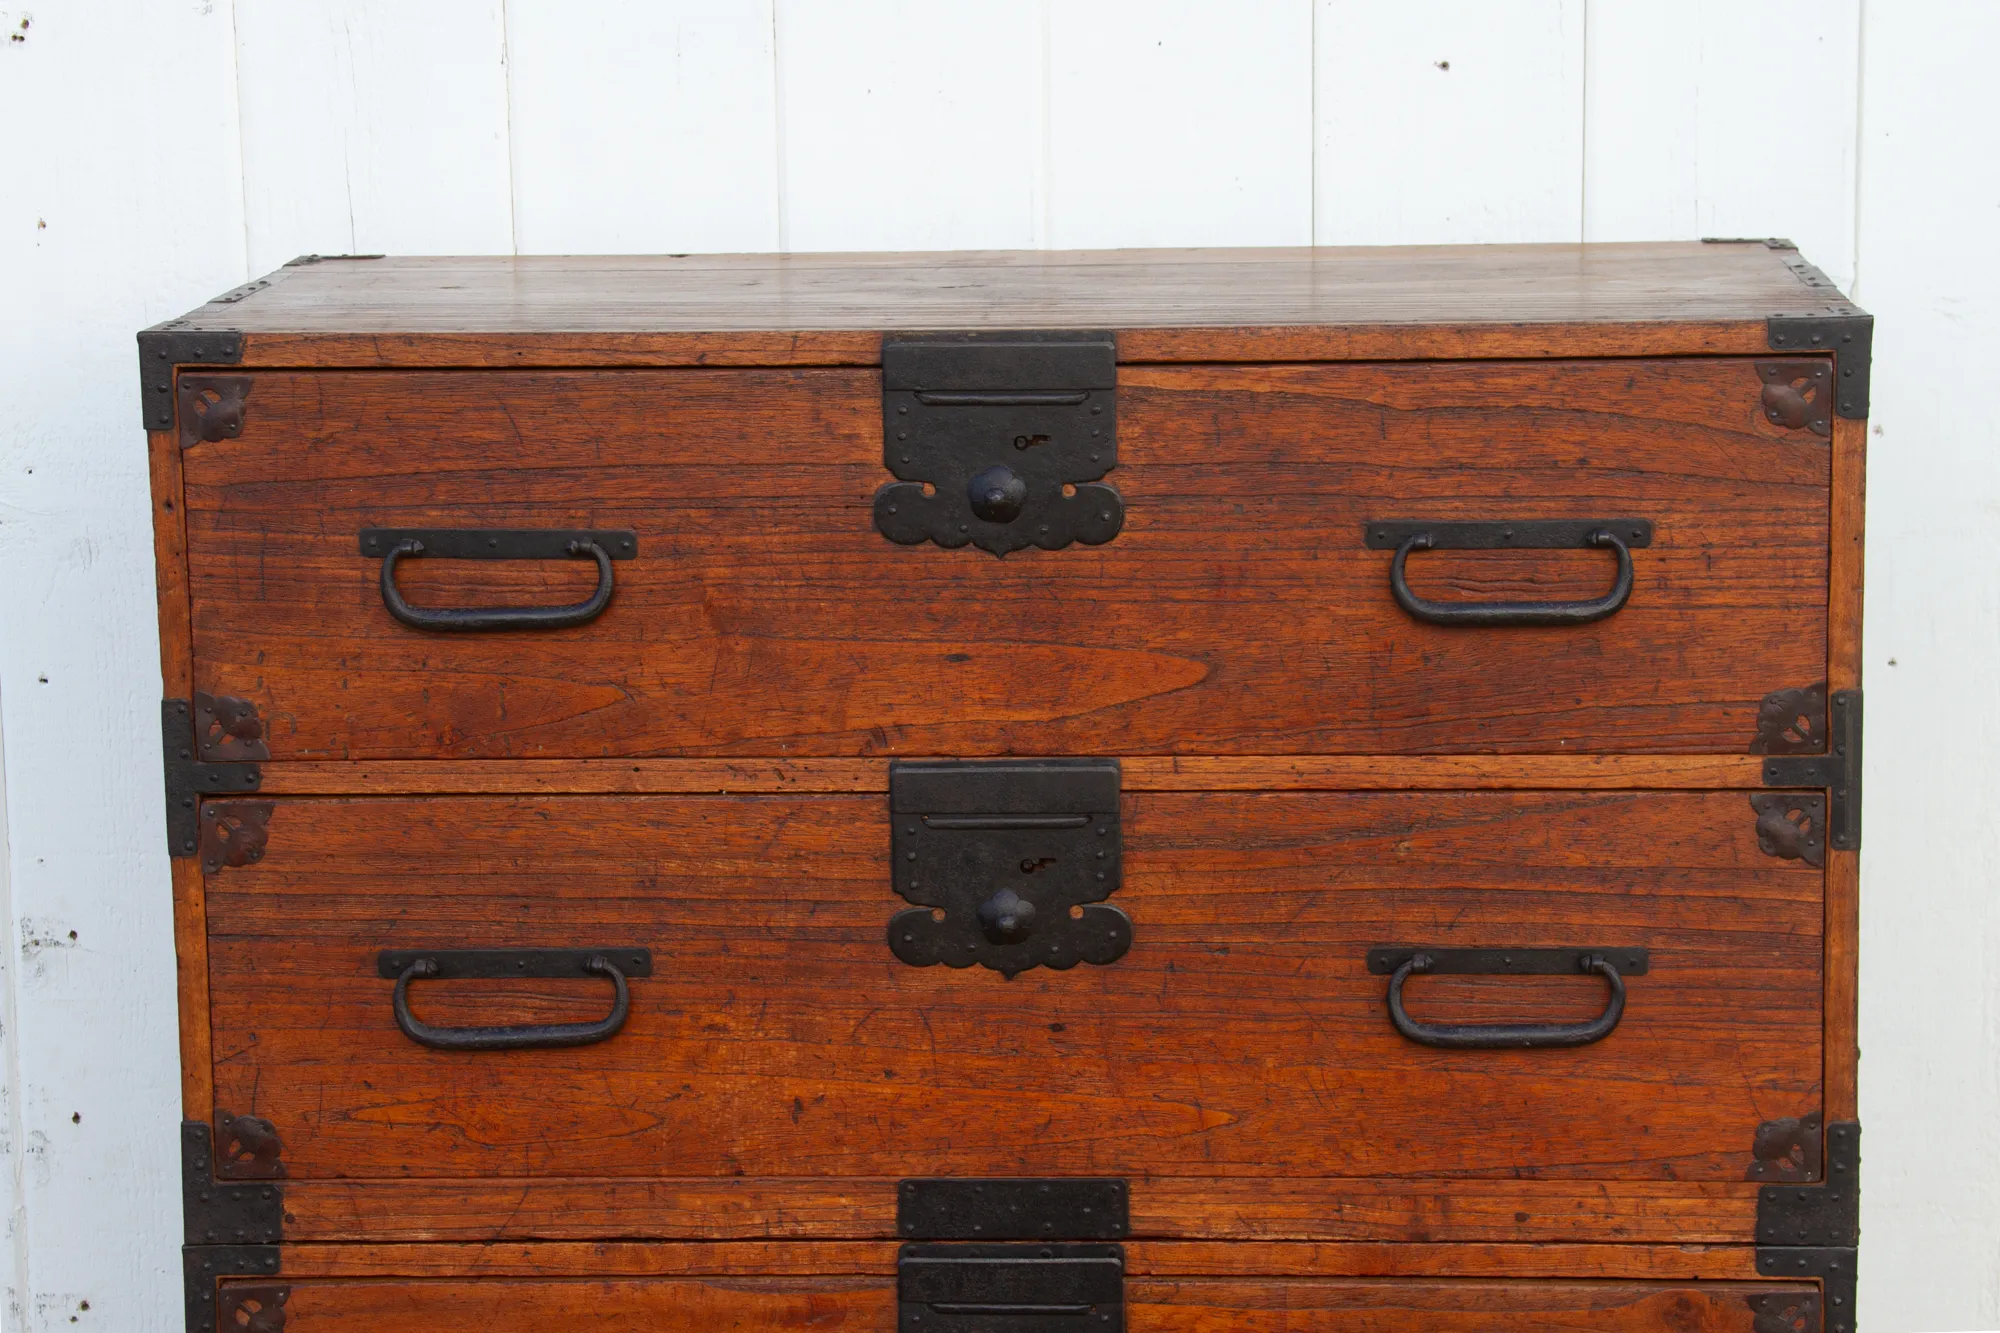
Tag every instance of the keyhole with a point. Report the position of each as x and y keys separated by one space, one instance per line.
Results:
x=1029 y=864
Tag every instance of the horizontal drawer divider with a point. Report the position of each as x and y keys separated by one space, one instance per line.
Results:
x=1141 y=773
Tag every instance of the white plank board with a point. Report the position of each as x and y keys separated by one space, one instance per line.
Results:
x=122 y=207
x=910 y=126
x=1930 y=910
x=373 y=126
x=642 y=129
x=1179 y=122
x=1448 y=120
x=1725 y=118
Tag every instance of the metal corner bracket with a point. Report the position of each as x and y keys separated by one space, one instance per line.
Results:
x=209 y=746
x=1838 y=771
x=1814 y=1231
x=165 y=348
x=1841 y=328
x=231 y=1226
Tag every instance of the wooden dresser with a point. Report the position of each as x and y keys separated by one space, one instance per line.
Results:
x=1017 y=793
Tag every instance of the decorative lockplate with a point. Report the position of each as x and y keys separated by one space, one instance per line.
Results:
x=1008 y=861
x=999 y=440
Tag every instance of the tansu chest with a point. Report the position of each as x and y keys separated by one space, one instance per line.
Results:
x=1011 y=792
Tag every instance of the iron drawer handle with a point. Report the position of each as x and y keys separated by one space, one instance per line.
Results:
x=1526 y=535
x=1504 y=1036
x=526 y=963
x=396 y=545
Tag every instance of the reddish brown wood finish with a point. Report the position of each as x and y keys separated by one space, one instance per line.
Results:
x=1174 y=773
x=779 y=1038
x=1186 y=1305
x=1442 y=1211
x=1142 y=1257
x=1238 y=613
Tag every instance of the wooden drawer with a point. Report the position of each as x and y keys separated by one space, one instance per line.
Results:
x=1240 y=610
x=780 y=1069
x=1169 y=1288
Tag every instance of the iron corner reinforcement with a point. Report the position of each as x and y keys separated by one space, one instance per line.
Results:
x=163 y=349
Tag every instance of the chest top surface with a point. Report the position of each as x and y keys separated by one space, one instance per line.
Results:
x=1684 y=297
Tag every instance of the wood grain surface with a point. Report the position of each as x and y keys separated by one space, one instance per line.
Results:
x=1142 y=1257
x=306 y=777
x=720 y=295
x=1240 y=1038
x=1445 y=1211
x=1238 y=612
x=1186 y=1305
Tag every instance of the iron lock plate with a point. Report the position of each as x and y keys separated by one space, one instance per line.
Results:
x=1014 y=1208
x=1051 y=1288
x=1008 y=863
x=1000 y=440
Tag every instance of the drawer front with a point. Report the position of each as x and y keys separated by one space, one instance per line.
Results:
x=1240 y=610
x=1243 y=1039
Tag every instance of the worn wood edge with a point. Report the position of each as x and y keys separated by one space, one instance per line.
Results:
x=1440 y=1211
x=1143 y=773
x=176 y=626
x=863 y=347
x=1843 y=671
x=191 y=976
x=1142 y=1258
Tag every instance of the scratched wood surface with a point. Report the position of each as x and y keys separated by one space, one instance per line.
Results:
x=1002 y=289
x=1240 y=1038
x=1187 y=1305
x=1444 y=1211
x=1239 y=611
x=778 y=1258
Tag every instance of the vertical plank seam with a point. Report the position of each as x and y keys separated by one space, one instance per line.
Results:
x=1860 y=139
x=778 y=134
x=1045 y=224
x=1312 y=122
x=10 y=1051
x=242 y=154
x=1583 y=134
x=507 y=128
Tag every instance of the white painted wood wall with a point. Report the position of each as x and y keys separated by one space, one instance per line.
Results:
x=157 y=152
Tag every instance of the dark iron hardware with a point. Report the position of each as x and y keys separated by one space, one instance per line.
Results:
x=166 y=347
x=1055 y=1209
x=1791 y=825
x=205 y=1267
x=1836 y=1269
x=247 y=1147
x=1008 y=862
x=253 y=1307
x=1050 y=1288
x=1792 y=721
x=1838 y=771
x=1788 y=1149
x=221 y=1211
x=234 y=833
x=1400 y=963
x=1840 y=327
x=211 y=407
x=1798 y=395
x=407 y=965
x=1826 y=1214
x=999 y=440
x=208 y=748
x=1793 y=1311
x=1403 y=536
x=394 y=545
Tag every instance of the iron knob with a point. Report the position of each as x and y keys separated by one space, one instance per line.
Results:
x=997 y=494
x=1007 y=917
